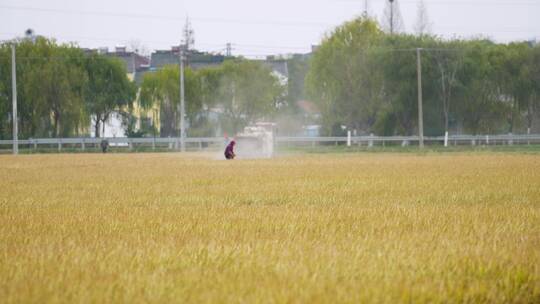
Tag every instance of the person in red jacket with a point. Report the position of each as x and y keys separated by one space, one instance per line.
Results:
x=229 y=151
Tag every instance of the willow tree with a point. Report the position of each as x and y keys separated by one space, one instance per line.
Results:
x=5 y=92
x=162 y=88
x=248 y=91
x=108 y=89
x=50 y=88
x=531 y=72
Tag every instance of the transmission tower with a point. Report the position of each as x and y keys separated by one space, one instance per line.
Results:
x=228 y=50
x=188 y=35
x=366 y=9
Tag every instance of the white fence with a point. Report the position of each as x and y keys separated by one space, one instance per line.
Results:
x=370 y=141
x=201 y=143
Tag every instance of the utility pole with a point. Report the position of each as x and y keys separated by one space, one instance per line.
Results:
x=420 y=114
x=182 y=105
x=365 y=8
x=14 y=95
x=391 y=17
x=228 y=50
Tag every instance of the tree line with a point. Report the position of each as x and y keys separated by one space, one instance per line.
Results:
x=360 y=78
x=365 y=79
x=219 y=99
x=64 y=91
x=61 y=91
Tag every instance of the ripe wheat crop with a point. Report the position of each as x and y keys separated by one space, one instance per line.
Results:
x=329 y=228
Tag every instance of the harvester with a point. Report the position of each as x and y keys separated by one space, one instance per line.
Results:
x=256 y=141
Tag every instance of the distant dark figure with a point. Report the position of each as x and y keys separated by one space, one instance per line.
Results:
x=229 y=151
x=104 y=145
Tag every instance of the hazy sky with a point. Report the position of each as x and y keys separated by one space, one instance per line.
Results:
x=255 y=27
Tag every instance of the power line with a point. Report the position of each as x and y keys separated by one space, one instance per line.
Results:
x=222 y=45
x=309 y=24
x=162 y=17
x=461 y=2
x=259 y=22
x=488 y=2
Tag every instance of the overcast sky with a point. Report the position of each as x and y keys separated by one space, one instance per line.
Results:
x=254 y=27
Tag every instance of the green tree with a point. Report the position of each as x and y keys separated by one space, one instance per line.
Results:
x=5 y=89
x=247 y=91
x=367 y=80
x=51 y=80
x=163 y=88
x=449 y=62
x=344 y=80
x=483 y=107
x=531 y=73
x=108 y=89
x=50 y=88
x=205 y=123
x=518 y=84
x=298 y=67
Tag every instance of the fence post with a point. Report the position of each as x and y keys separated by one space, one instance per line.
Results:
x=83 y=147
x=510 y=139
x=370 y=142
x=59 y=145
x=35 y=144
x=153 y=143
x=487 y=140
x=446 y=139
x=348 y=138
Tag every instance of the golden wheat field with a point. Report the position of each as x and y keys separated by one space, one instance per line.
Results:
x=346 y=228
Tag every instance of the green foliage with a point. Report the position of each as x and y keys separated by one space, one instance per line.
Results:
x=242 y=90
x=360 y=78
x=108 y=88
x=247 y=92
x=298 y=67
x=51 y=80
x=344 y=80
x=162 y=88
x=5 y=92
x=367 y=80
x=59 y=88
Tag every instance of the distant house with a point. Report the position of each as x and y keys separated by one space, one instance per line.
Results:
x=279 y=68
x=195 y=59
x=161 y=58
x=199 y=60
x=133 y=62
